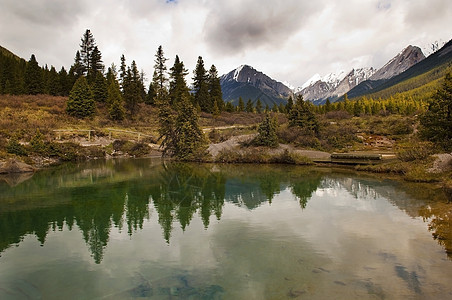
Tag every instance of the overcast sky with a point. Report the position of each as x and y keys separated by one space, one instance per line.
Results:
x=289 y=40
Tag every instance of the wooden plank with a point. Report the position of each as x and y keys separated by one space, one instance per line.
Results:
x=356 y=156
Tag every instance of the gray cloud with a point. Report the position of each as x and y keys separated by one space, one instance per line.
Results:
x=289 y=40
x=236 y=26
x=45 y=12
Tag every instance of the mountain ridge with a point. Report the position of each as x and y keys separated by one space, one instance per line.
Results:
x=249 y=83
x=366 y=78
x=438 y=59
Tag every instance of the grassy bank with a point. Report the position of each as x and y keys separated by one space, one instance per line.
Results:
x=28 y=124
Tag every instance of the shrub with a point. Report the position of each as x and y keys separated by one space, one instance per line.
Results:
x=14 y=147
x=299 y=137
x=65 y=151
x=121 y=145
x=139 y=149
x=415 y=151
x=37 y=143
x=292 y=158
x=267 y=133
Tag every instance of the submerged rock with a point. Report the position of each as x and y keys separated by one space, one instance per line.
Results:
x=14 y=166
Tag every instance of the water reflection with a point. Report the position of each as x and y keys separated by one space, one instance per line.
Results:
x=123 y=194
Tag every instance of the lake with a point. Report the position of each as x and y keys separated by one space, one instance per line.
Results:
x=144 y=229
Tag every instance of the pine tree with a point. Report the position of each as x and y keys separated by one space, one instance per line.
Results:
x=100 y=88
x=150 y=97
x=328 y=105
x=111 y=75
x=65 y=83
x=122 y=72
x=267 y=135
x=275 y=108
x=54 y=85
x=116 y=109
x=249 y=106
x=81 y=102
x=132 y=89
x=437 y=120
x=191 y=142
x=96 y=65
x=289 y=104
x=45 y=79
x=200 y=87
x=216 y=95
x=241 y=106
x=258 y=106
x=178 y=86
x=167 y=130
x=160 y=80
x=229 y=107
x=87 y=46
x=33 y=77
x=78 y=69
x=301 y=115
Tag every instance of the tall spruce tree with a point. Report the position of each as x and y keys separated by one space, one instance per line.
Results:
x=65 y=83
x=167 y=128
x=150 y=97
x=96 y=65
x=86 y=49
x=132 y=89
x=178 y=86
x=216 y=95
x=81 y=102
x=122 y=72
x=201 y=88
x=436 y=122
x=116 y=109
x=191 y=142
x=53 y=82
x=100 y=88
x=160 y=78
x=33 y=77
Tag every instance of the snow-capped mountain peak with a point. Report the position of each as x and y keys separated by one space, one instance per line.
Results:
x=237 y=72
x=311 y=81
x=335 y=78
x=332 y=79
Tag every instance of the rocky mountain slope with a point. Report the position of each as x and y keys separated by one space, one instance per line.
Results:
x=248 y=83
x=366 y=78
x=333 y=86
x=439 y=61
x=409 y=56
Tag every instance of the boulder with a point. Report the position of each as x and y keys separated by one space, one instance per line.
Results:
x=14 y=166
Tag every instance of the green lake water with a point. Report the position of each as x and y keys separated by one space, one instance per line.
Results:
x=143 y=229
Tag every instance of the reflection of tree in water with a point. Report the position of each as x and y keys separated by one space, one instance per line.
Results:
x=439 y=216
x=185 y=189
x=304 y=187
x=118 y=194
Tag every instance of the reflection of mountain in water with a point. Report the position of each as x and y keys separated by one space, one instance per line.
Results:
x=120 y=193
x=416 y=200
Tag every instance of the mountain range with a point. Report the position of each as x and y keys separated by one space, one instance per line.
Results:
x=248 y=83
x=332 y=87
